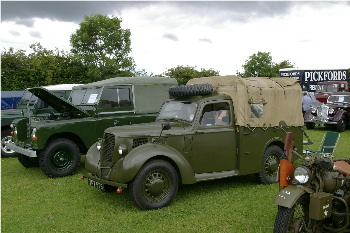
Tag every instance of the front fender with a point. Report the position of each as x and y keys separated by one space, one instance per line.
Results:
x=127 y=168
x=289 y=195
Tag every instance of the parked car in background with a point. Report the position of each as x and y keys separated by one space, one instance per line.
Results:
x=56 y=142
x=29 y=105
x=335 y=112
x=325 y=89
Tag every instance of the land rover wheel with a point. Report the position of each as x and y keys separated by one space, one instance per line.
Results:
x=341 y=125
x=191 y=90
x=310 y=125
x=6 y=152
x=60 y=158
x=270 y=163
x=154 y=186
x=28 y=162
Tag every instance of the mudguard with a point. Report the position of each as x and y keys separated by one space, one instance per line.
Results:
x=127 y=168
x=289 y=195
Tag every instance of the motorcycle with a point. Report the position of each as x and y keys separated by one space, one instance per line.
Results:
x=314 y=196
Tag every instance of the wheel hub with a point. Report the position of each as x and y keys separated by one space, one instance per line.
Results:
x=155 y=185
x=60 y=159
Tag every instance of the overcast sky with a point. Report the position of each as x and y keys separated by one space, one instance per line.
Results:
x=217 y=35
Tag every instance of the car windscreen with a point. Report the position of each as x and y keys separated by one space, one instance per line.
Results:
x=178 y=110
x=85 y=96
x=339 y=99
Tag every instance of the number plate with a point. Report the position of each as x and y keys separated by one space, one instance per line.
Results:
x=96 y=184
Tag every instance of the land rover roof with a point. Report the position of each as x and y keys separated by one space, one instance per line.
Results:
x=61 y=87
x=130 y=81
x=260 y=101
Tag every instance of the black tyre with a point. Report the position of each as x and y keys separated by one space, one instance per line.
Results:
x=341 y=125
x=270 y=163
x=292 y=219
x=191 y=90
x=60 y=158
x=310 y=125
x=28 y=162
x=154 y=186
x=6 y=152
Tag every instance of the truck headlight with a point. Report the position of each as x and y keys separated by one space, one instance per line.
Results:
x=122 y=149
x=331 y=111
x=34 y=137
x=98 y=145
x=313 y=110
x=302 y=174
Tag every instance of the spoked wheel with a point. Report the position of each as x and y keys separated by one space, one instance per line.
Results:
x=155 y=185
x=270 y=163
x=292 y=220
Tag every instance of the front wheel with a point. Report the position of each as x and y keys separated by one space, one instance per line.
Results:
x=294 y=219
x=310 y=125
x=154 y=186
x=28 y=162
x=270 y=163
x=60 y=158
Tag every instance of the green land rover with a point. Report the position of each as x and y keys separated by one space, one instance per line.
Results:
x=213 y=127
x=30 y=105
x=56 y=142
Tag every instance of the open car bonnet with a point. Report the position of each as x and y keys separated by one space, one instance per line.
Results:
x=59 y=104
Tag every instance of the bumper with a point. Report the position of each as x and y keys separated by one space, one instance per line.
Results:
x=21 y=150
x=95 y=178
x=320 y=122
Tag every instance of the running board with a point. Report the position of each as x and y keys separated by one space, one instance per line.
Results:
x=215 y=175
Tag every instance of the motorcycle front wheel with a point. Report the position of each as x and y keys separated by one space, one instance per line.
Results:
x=292 y=219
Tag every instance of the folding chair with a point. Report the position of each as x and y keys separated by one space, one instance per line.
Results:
x=328 y=144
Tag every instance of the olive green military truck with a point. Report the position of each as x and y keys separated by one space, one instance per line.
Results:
x=214 y=127
x=56 y=142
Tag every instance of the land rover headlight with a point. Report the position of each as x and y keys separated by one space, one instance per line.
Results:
x=122 y=149
x=331 y=111
x=34 y=137
x=302 y=174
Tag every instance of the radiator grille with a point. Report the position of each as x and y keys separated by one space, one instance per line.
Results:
x=107 y=150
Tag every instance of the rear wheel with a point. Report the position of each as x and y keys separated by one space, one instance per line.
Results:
x=341 y=125
x=270 y=163
x=154 y=186
x=60 y=158
x=292 y=219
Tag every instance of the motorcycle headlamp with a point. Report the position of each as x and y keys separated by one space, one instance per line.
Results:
x=122 y=149
x=302 y=174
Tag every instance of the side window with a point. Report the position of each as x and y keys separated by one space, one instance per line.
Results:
x=215 y=115
x=116 y=98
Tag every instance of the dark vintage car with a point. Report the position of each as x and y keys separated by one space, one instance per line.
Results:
x=335 y=112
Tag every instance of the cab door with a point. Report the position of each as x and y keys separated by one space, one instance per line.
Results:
x=214 y=142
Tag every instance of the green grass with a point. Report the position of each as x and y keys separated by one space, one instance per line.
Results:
x=31 y=202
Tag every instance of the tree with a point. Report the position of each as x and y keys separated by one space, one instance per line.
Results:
x=261 y=65
x=184 y=73
x=103 y=46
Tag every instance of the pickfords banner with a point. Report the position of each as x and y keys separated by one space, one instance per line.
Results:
x=309 y=78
